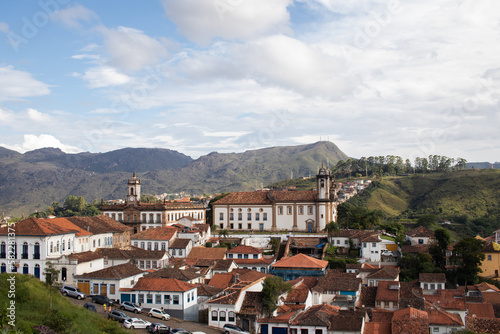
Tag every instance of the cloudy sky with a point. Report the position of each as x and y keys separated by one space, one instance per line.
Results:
x=409 y=78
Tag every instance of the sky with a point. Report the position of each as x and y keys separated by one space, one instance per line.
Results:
x=381 y=77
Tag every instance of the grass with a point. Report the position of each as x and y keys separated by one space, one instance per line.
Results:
x=386 y=237
x=32 y=301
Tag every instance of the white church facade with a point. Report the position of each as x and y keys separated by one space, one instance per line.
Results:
x=306 y=211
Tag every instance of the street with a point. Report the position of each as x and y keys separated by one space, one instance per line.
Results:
x=173 y=322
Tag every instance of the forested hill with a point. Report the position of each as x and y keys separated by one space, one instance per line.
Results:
x=469 y=199
x=34 y=180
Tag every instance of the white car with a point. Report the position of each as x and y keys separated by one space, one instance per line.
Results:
x=136 y=323
x=157 y=313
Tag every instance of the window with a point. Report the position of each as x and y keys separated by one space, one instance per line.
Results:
x=144 y=218
x=230 y=316
x=240 y=256
x=489 y=257
x=157 y=299
x=163 y=246
x=148 y=265
x=288 y=210
x=264 y=216
x=149 y=245
x=143 y=245
x=141 y=264
x=158 y=218
x=280 y=210
x=374 y=244
x=153 y=264
x=231 y=216
x=256 y=256
x=346 y=242
x=319 y=331
x=222 y=316
x=257 y=216
x=420 y=241
x=426 y=286
x=249 y=216
x=301 y=210
x=36 y=254
x=304 y=331
x=221 y=225
x=166 y=299
x=221 y=216
x=310 y=210
x=24 y=255
x=141 y=298
x=231 y=226
x=96 y=288
x=240 y=226
x=214 y=316
x=150 y=298
x=338 y=242
x=176 y=300
x=112 y=289
x=240 y=216
x=245 y=256
x=433 y=287
x=3 y=250
x=249 y=226
x=364 y=244
x=156 y=246
x=230 y=256
x=435 y=329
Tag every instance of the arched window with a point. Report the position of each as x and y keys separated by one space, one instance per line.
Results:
x=64 y=274
x=57 y=246
x=222 y=316
x=37 y=271
x=3 y=268
x=230 y=316
x=64 y=245
x=149 y=245
x=156 y=246
x=158 y=218
x=24 y=255
x=143 y=245
x=26 y=269
x=163 y=246
x=3 y=250
x=214 y=316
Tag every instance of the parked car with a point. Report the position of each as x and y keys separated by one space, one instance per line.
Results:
x=179 y=331
x=118 y=316
x=128 y=306
x=99 y=299
x=232 y=329
x=90 y=307
x=71 y=291
x=157 y=328
x=157 y=313
x=136 y=323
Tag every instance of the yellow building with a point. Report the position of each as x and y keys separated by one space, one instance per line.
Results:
x=491 y=263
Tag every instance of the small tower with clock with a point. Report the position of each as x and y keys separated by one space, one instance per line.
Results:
x=134 y=190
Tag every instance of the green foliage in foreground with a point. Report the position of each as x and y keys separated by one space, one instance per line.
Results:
x=272 y=288
x=32 y=298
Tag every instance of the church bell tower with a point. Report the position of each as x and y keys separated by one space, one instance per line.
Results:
x=134 y=190
x=324 y=183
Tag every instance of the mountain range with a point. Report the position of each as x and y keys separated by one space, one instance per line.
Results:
x=34 y=180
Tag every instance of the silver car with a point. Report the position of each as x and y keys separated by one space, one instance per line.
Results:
x=71 y=291
x=128 y=306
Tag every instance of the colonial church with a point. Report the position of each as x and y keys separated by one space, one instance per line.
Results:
x=145 y=215
x=307 y=211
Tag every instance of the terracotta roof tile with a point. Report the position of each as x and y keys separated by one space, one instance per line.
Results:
x=252 y=303
x=317 y=315
x=381 y=315
x=449 y=299
x=223 y=264
x=162 y=284
x=99 y=224
x=180 y=243
x=387 y=291
x=85 y=256
x=222 y=280
x=491 y=297
x=420 y=231
x=443 y=318
x=410 y=320
x=243 y=249
x=386 y=272
x=410 y=294
x=115 y=272
x=218 y=253
x=267 y=197
x=159 y=233
x=300 y=261
x=481 y=310
x=482 y=325
x=176 y=273
x=377 y=328
x=432 y=277
x=334 y=281
x=415 y=248
x=132 y=253
x=249 y=262
x=368 y=296
x=483 y=287
x=208 y=290
x=297 y=296
x=44 y=227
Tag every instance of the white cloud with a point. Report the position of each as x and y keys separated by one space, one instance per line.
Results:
x=33 y=142
x=15 y=84
x=131 y=50
x=4 y=27
x=37 y=116
x=205 y=20
x=74 y=16
x=104 y=76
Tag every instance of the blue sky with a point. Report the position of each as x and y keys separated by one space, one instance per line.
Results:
x=375 y=77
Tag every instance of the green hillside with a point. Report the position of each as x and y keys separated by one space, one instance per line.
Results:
x=32 y=300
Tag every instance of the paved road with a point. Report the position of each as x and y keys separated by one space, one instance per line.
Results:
x=173 y=322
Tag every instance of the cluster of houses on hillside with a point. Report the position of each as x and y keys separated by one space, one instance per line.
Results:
x=155 y=255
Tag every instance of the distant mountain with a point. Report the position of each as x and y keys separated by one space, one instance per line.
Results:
x=33 y=180
x=4 y=152
x=483 y=165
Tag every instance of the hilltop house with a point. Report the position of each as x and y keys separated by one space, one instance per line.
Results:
x=272 y=210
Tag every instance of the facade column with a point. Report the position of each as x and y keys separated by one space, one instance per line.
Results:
x=273 y=226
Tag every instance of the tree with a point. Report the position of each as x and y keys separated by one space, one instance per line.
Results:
x=272 y=288
x=51 y=277
x=331 y=228
x=438 y=251
x=468 y=254
x=426 y=220
x=411 y=265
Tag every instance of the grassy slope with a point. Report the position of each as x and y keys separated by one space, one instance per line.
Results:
x=32 y=308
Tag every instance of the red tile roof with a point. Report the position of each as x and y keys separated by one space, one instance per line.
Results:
x=443 y=318
x=420 y=231
x=481 y=310
x=386 y=272
x=162 y=284
x=432 y=277
x=410 y=320
x=222 y=280
x=99 y=224
x=387 y=291
x=267 y=197
x=218 y=253
x=44 y=227
x=377 y=328
x=243 y=249
x=300 y=261
x=159 y=233
x=115 y=272
x=449 y=299
x=85 y=256
x=482 y=325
